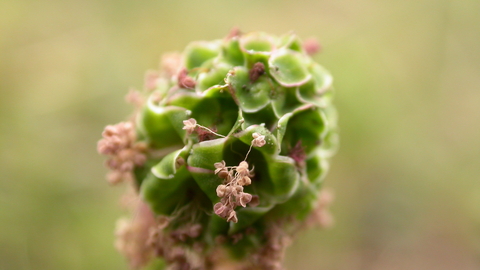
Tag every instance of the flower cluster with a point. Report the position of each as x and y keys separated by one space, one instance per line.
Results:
x=132 y=236
x=119 y=142
x=231 y=191
x=170 y=244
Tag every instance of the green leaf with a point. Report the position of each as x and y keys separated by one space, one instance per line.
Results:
x=308 y=127
x=198 y=52
x=216 y=91
x=256 y=47
x=251 y=97
x=300 y=204
x=184 y=98
x=167 y=168
x=283 y=123
x=313 y=91
x=284 y=177
x=231 y=52
x=257 y=42
x=201 y=162
x=162 y=126
x=271 y=145
x=284 y=100
x=281 y=128
x=316 y=169
x=265 y=117
x=165 y=195
x=322 y=78
x=218 y=112
x=213 y=76
x=292 y=42
x=288 y=68
x=330 y=139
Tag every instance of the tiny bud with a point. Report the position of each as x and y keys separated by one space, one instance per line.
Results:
x=184 y=80
x=311 y=46
x=257 y=70
x=234 y=32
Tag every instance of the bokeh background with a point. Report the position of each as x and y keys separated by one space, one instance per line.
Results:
x=407 y=79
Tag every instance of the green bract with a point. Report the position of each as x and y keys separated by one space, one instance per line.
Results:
x=237 y=88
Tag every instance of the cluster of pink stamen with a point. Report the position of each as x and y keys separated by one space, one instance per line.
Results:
x=119 y=142
x=231 y=191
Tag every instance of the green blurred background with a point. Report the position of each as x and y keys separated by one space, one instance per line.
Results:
x=407 y=78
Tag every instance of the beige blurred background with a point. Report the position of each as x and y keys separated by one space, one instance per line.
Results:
x=407 y=76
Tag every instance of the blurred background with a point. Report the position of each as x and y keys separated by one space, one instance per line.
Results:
x=407 y=79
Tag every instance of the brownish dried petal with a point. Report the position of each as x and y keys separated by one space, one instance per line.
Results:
x=245 y=198
x=256 y=71
x=223 y=173
x=232 y=216
x=242 y=168
x=245 y=181
x=221 y=209
x=221 y=191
